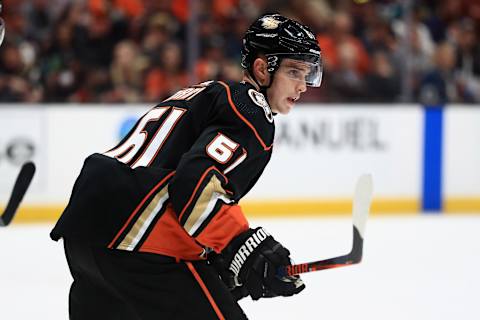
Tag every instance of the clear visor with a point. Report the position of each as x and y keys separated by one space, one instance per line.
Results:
x=305 y=67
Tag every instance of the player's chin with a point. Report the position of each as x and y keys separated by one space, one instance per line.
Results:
x=283 y=108
x=287 y=107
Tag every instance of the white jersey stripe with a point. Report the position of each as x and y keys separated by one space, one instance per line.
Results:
x=206 y=213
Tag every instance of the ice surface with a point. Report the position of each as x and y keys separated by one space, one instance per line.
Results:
x=414 y=267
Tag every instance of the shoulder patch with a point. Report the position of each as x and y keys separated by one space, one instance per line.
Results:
x=259 y=99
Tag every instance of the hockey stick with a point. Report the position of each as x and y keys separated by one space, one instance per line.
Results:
x=361 y=207
x=19 y=189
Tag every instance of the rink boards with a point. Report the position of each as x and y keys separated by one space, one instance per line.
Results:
x=421 y=158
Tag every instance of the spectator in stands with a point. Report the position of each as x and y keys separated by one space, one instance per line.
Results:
x=438 y=85
x=383 y=83
x=167 y=77
x=468 y=48
x=340 y=38
x=160 y=29
x=95 y=40
x=60 y=70
x=467 y=63
x=126 y=72
x=346 y=83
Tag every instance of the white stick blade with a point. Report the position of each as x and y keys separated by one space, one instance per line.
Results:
x=362 y=201
x=2 y=30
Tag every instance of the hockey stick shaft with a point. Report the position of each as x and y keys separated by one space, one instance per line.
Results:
x=354 y=257
x=361 y=207
x=19 y=189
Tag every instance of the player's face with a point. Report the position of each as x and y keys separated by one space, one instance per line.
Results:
x=288 y=84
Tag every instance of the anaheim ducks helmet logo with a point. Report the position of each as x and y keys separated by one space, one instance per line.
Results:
x=270 y=22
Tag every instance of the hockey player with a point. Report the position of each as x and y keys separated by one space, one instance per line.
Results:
x=153 y=228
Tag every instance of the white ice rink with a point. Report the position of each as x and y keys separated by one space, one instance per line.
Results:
x=415 y=267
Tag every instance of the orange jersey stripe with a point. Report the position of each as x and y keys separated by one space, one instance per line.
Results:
x=227 y=223
x=169 y=238
x=205 y=290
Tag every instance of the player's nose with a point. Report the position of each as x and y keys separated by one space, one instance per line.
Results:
x=302 y=86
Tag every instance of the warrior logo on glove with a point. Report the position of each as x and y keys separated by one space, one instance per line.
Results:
x=246 y=249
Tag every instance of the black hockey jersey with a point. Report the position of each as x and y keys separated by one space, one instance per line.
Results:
x=173 y=184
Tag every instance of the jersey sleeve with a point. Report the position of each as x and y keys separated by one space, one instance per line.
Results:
x=205 y=198
x=222 y=165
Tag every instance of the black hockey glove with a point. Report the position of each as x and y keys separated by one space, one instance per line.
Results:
x=248 y=266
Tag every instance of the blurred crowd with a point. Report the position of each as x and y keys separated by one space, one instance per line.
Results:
x=116 y=51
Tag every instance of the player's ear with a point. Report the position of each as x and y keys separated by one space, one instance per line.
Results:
x=260 y=71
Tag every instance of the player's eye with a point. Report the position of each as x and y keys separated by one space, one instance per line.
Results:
x=295 y=74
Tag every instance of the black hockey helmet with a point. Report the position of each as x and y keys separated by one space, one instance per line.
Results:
x=278 y=37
